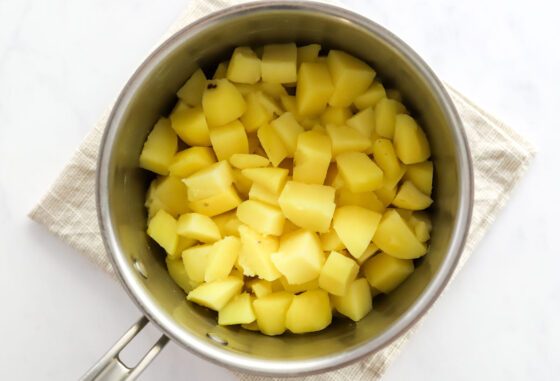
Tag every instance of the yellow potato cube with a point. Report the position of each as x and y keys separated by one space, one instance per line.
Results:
x=312 y=157
x=193 y=159
x=239 y=310
x=371 y=97
x=307 y=53
x=173 y=195
x=254 y=256
x=386 y=194
x=330 y=241
x=221 y=70
x=191 y=92
x=271 y=310
x=385 y=114
x=162 y=229
x=309 y=312
x=256 y=114
x=222 y=258
x=359 y=172
x=346 y=139
x=269 y=103
x=259 y=287
x=270 y=142
x=356 y=303
x=385 y=272
x=209 y=181
x=272 y=179
x=273 y=90
x=244 y=66
x=421 y=175
x=409 y=197
x=421 y=224
x=260 y=193
x=218 y=203
x=215 y=295
x=314 y=88
x=355 y=226
x=177 y=272
x=368 y=200
x=337 y=273
x=229 y=139
x=394 y=237
x=159 y=148
x=410 y=141
x=310 y=206
x=351 y=77
x=228 y=223
x=244 y=160
x=241 y=183
x=363 y=121
x=279 y=63
x=199 y=227
x=195 y=260
x=297 y=288
x=190 y=124
x=182 y=245
x=288 y=129
x=261 y=217
x=299 y=257
x=385 y=157
x=370 y=251
x=222 y=102
x=335 y=115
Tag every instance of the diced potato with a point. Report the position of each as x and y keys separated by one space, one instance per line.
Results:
x=297 y=288
x=409 y=197
x=421 y=175
x=251 y=326
x=271 y=310
x=159 y=148
x=244 y=66
x=193 y=159
x=199 y=227
x=385 y=113
x=228 y=223
x=421 y=225
x=222 y=258
x=173 y=195
x=209 y=181
x=287 y=128
x=190 y=124
x=351 y=77
x=363 y=121
x=310 y=206
x=299 y=257
x=385 y=272
x=243 y=160
x=394 y=237
x=162 y=229
x=270 y=142
x=371 y=97
x=356 y=302
x=385 y=157
x=183 y=244
x=221 y=70
x=215 y=295
x=410 y=141
x=273 y=90
x=261 y=217
x=307 y=53
x=279 y=63
x=239 y=310
x=312 y=157
x=314 y=88
x=346 y=139
x=355 y=226
x=219 y=203
x=269 y=103
x=359 y=172
x=309 y=312
x=177 y=272
x=222 y=102
x=337 y=273
x=196 y=260
x=330 y=241
x=289 y=104
x=254 y=256
x=272 y=179
x=386 y=194
x=256 y=114
x=370 y=251
x=260 y=193
x=368 y=200
x=241 y=183
x=259 y=287
x=335 y=115
x=191 y=92
x=229 y=139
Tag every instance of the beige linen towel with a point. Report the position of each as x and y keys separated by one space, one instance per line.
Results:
x=500 y=157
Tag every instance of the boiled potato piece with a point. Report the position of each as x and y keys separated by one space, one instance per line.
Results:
x=287 y=128
x=260 y=193
x=199 y=227
x=177 y=272
x=239 y=310
x=228 y=223
x=259 y=287
x=273 y=90
x=173 y=195
x=356 y=302
x=385 y=157
x=359 y=172
x=385 y=117
x=222 y=102
x=241 y=183
x=160 y=148
x=351 y=77
x=256 y=114
x=385 y=272
x=394 y=237
x=368 y=200
x=272 y=145
x=195 y=260
x=191 y=92
x=297 y=288
x=335 y=115
x=218 y=203
x=223 y=257
x=363 y=121
x=191 y=160
x=421 y=175
x=190 y=124
x=309 y=312
x=221 y=70
x=162 y=228
x=229 y=139
x=272 y=179
x=183 y=244
x=314 y=88
x=410 y=141
x=215 y=295
x=346 y=139
x=244 y=66
x=270 y=311
x=254 y=256
x=409 y=197
x=209 y=181
x=386 y=194
x=337 y=273
x=371 y=97
x=309 y=206
x=243 y=161
x=370 y=251
x=355 y=226
x=261 y=217
x=279 y=63
x=312 y=157
x=307 y=53
x=330 y=241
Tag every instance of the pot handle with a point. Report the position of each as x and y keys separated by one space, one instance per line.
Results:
x=111 y=368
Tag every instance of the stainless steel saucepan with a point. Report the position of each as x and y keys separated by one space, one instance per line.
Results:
x=121 y=188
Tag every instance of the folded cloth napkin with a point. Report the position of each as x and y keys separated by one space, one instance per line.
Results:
x=500 y=157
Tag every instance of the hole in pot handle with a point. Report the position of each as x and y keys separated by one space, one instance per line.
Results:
x=111 y=368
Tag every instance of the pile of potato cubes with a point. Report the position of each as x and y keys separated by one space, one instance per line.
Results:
x=289 y=188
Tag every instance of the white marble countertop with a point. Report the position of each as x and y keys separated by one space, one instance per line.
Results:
x=61 y=62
